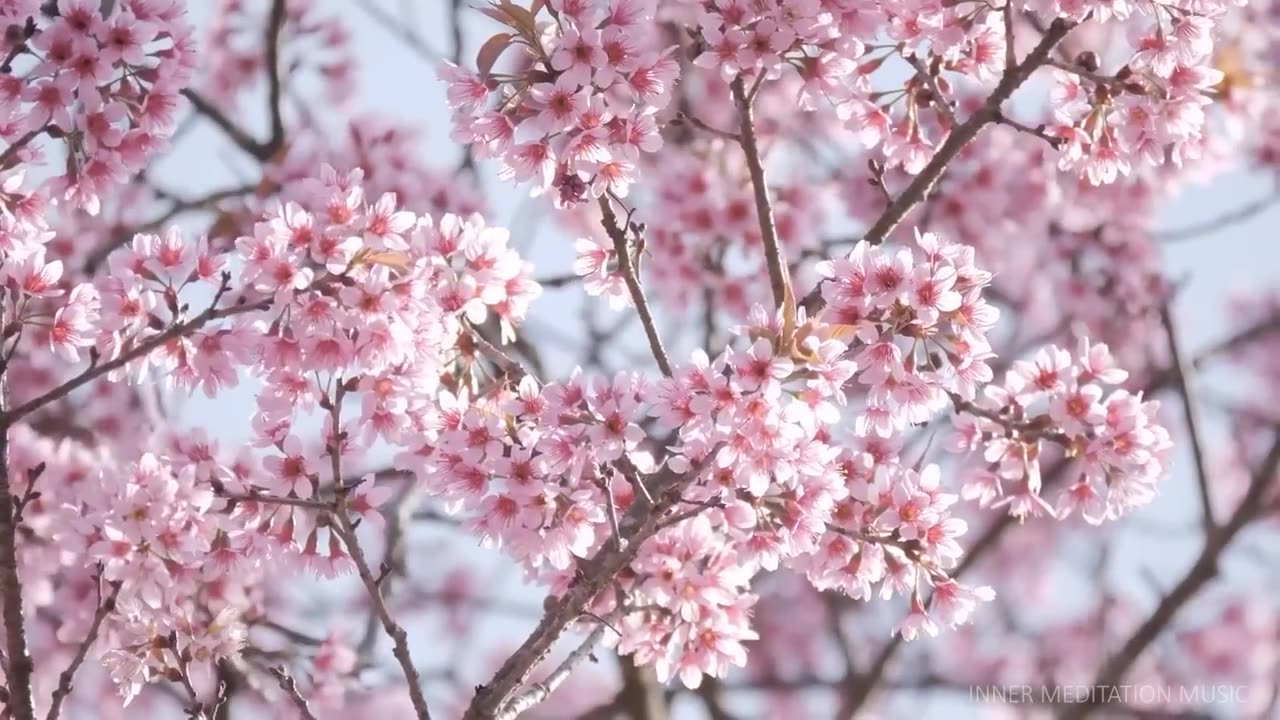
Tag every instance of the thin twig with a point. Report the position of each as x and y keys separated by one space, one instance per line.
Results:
x=178 y=206
x=779 y=282
x=105 y=607
x=146 y=347
x=1037 y=131
x=1227 y=219
x=291 y=689
x=1183 y=377
x=698 y=123
x=347 y=532
x=410 y=39
x=621 y=247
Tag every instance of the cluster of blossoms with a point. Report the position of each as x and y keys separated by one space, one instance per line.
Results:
x=234 y=56
x=336 y=303
x=1152 y=109
x=106 y=84
x=1060 y=398
x=151 y=530
x=576 y=112
x=923 y=324
x=895 y=529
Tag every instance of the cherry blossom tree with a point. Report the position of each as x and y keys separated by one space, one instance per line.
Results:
x=876 y=395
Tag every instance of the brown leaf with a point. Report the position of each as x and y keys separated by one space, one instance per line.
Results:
x=490 y=52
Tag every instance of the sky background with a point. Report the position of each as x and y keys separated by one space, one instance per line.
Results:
x=395 y=82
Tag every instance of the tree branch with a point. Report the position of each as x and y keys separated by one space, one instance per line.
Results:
x=291 y=689
x=540 y=690
x=18 y=668
x=275 y=26
x=621 y=247
x=779 y=282
x=347 y=532
x=1182 y=376
x=146 y=347
x=105 y=607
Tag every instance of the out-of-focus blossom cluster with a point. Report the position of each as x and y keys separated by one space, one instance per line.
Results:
x=234 y=52
x=100 y=79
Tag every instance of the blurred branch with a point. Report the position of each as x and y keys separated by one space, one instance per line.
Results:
x=1221 y=222
x=1202 y=571
x=403 y=32
x=1183 y=378
x=275 y=27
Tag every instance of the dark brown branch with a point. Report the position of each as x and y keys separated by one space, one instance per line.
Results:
x=275 y=27
x=778 y=280
x=1183 y=378
x=237 y=134
x=18 y=668
x=105 y=607
x=626 y=265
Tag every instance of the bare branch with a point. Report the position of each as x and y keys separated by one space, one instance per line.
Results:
x=347 y=532
x=779 y=281
x=626 y=265
x=1183 y=377
x=291 y=689
x=275 y=25
x=105 y=607
x=1227 y=219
